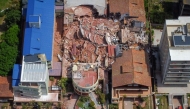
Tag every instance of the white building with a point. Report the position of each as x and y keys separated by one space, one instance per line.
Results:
x=34 y=77
x=175 y=51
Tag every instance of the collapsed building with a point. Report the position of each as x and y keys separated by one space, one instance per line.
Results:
x=91 y=38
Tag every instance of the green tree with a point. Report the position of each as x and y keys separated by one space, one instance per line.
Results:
x=102 y=98
x=15 y=4
x=62 y=83
x=51 y=78
x=24 y=106
x=11 y=35
x=91 y=104
x=48 y=105
x=12 y=17
x=113 y=106
x=8 y=49
x=40 y=104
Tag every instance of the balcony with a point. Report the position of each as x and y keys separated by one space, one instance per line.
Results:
x=179 y=68
x=132 y=88
x=133 y=93
x=179 y=63
x=179 y=75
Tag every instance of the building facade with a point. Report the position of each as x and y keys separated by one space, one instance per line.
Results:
x=34 y=78
x=130 y=76
x=174 y=51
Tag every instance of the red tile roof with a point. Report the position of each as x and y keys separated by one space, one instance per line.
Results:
x=131 y=68
x=121 y=6
x=6 y=87
x=89 y=78
x=111 y=50
x=132 y=7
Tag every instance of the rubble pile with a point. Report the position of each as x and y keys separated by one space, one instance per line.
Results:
x=85 y=41
x=95 y=30
x=99 y=40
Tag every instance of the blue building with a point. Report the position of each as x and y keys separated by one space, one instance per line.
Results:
x=31 y=78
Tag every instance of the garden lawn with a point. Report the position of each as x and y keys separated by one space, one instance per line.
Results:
x=4 y=4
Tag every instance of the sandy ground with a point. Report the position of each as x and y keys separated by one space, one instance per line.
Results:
x=57 y=39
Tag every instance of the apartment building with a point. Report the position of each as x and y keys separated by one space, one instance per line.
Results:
x=130 y=75
x=174 y=51
x=34 y=77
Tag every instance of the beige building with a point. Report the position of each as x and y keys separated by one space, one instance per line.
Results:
x=174 y=51
x=130 y=75
x=85 y=77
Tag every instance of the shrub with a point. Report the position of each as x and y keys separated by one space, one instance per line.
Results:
x=85 y=98
x=12 y=17
x=113 y=106
x=91 y=104
x=102 y=98
x=51 y=78
x=1 y=14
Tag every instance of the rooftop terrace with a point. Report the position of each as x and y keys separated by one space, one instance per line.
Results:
x=85 y=78
x=33 y=72
x=85 y=75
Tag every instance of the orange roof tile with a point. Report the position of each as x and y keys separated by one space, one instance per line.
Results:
x=6 y=87
x=119 y=6
x=132 y=7
x=131 y=68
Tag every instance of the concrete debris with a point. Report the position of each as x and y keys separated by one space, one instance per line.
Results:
x=60 y=58
x=99 y=40
x=82 y=11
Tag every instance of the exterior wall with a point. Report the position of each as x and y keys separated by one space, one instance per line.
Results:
x=28 y=91
x=164 y=51
x=132 y=92
x=178 y=72
x=85 y=89
x=173 y=72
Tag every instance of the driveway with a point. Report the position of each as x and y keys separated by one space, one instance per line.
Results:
x=128 y=103
x=94 y=98
x=71 y=103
